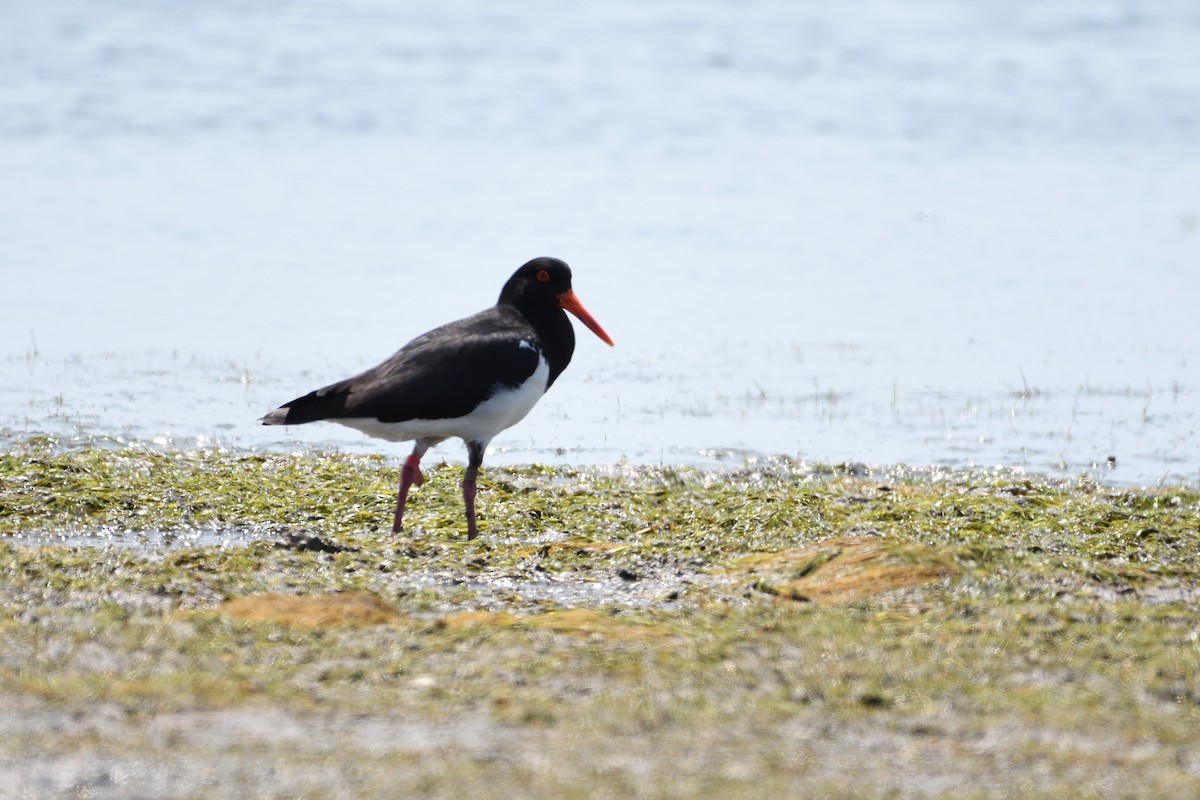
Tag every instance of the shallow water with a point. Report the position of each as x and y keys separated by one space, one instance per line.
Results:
x=955 y=234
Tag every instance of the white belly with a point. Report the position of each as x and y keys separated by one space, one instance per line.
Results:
x=505 y=408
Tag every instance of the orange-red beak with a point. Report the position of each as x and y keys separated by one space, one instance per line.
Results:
x=571 y=303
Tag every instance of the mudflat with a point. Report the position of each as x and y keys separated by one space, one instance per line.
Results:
x=201 y=624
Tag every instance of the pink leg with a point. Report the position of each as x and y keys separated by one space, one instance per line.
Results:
x=410 y=474
x=468 y=489
x=474 y=460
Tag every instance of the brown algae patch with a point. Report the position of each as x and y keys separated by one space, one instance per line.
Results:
x=355 y=609
x=843 y=570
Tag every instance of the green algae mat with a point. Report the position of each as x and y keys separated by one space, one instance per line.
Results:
x=202 y=624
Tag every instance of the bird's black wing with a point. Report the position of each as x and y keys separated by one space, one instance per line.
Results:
x=440 y=375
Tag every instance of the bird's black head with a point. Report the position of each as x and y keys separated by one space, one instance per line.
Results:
x=545 y=283
x=540 y=280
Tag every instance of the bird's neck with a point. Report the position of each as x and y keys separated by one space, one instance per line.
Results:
x=555 y=332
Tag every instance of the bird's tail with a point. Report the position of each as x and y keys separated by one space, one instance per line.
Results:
x=327 y=403
x=277 y=417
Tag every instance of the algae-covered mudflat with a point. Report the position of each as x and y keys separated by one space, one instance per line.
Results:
x=202 y=624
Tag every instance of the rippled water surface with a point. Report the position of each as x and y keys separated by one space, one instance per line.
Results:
x=952 y=233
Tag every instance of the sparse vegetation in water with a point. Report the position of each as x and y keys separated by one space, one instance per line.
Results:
x=615 y=631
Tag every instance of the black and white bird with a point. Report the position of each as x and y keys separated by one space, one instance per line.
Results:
x=469 y=379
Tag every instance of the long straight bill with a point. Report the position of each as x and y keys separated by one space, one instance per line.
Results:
x=571 y=303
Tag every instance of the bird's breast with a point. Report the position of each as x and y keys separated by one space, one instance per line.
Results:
x=508 y=405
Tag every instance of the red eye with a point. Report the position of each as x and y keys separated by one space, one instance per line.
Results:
x=543 y=276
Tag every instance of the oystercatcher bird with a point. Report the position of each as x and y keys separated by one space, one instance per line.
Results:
x=469 y=379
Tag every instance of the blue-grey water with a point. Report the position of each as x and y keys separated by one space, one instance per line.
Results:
x=945 y=233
